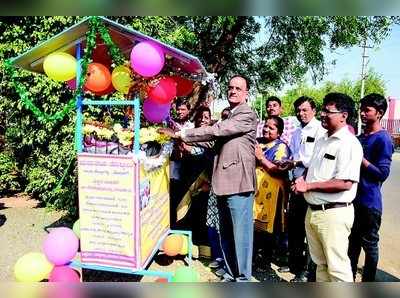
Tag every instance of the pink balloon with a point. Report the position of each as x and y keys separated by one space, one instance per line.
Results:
x=60 y=246
x=155 y=112
x=71 y=84
x=147 y=59
x=63 y=274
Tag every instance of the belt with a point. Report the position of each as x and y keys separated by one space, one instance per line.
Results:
x=328 y=206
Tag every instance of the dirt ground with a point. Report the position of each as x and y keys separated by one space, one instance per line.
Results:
x=23 y=227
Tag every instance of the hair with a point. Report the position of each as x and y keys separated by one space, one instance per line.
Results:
x=302 y=99
x=225 y=113
x=199 y=114
x=343 y=103
x=273 y=98
x=246 y=79
x=278 y=122
x=376 y=101
x=182 y=102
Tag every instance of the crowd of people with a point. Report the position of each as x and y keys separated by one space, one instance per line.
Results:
x=299 y=192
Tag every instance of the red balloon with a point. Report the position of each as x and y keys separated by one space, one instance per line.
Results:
x=98 y=77
x=184 y=86
x=164 y=92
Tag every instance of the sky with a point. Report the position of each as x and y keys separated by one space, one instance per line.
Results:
x=384 y=59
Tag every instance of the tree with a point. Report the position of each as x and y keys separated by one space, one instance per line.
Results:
x=41 y=154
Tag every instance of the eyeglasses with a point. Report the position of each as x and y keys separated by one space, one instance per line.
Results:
x=327 y=112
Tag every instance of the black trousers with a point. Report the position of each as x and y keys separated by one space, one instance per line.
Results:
x=364 y=234
x=299 y=259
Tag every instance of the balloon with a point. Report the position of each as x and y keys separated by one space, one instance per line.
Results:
x=184 y=86
x=185 y=247
x=172 y=245
x=98 y=77
x=155 y=112
x=100 y=54
x=164 y=92
x=60 y=66
x=32 y=267
x=121 y=79
x=110 y=89
x=64 y=274
x=77 y=228
x=185 y=274
x=147 y=59
x=71 y=84
x=60 y=246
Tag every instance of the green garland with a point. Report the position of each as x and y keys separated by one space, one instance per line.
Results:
x=95 y=26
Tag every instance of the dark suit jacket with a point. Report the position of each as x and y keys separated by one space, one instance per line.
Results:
x=234 y=141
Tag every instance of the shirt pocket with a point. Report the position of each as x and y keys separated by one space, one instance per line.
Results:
x=229 y=163
x=328 y=165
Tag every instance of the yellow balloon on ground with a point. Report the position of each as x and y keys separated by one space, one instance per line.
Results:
x=121 y=79
x=185 y=245
x=60 y=66
x=32 y=267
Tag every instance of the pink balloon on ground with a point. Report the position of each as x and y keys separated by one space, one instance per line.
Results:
x=147 y=59
x=64 y=274
x=61 y=246
x=155 y=112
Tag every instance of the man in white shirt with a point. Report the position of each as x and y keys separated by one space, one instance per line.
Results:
x=301 y=146
x=329 y=189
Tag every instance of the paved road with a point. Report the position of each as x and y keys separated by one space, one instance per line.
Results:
x=389 y=263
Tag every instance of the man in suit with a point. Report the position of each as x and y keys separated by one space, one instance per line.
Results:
x=233 y=179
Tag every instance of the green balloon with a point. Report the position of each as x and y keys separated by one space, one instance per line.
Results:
x=185 y=274
x=77 y=228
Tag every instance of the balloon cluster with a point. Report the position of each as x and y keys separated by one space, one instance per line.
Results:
x=175 y=244
x=147 y=60
x=59 y=248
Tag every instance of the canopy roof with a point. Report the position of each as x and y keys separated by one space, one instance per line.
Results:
x=125 y=38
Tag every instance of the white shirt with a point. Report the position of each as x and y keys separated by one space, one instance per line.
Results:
x=336 y=157
x=303 y=142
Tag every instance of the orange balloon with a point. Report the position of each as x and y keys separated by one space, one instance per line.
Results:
x=173 y=245
x=98 y=77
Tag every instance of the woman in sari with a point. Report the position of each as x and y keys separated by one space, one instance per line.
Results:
x=271 y=196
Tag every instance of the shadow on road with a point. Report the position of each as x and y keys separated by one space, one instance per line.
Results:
x=3 y=219
x=384 y=276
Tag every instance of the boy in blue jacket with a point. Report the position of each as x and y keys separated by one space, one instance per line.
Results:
x=378 y=149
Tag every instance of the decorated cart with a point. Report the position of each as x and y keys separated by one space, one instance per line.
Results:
x=123 y=192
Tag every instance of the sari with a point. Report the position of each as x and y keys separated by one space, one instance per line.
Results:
x=271 y=193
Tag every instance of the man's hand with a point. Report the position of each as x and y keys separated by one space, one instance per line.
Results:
x=167 y=131
x=300 y=185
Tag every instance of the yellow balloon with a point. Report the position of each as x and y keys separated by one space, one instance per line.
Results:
x=60 y=66
x=185 y=245
x=121 y=79
x=32 y=267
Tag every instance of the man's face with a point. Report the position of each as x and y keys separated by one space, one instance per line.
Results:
x=274 y=108
x=369 y=114
x=305 y=113
x=182 y=112
x=332 y=118
x=237 y=91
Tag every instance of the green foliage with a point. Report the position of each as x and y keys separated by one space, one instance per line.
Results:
x=9 y=176
x=373 y=83
x=40 y=153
